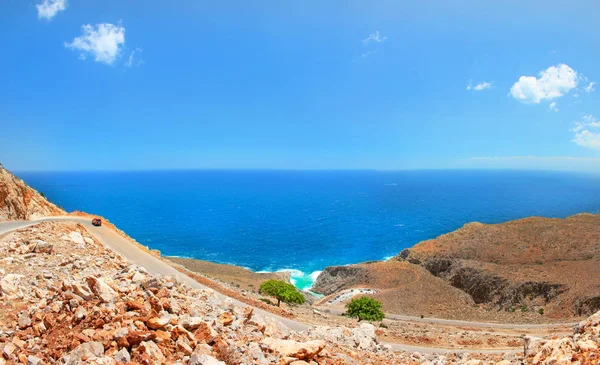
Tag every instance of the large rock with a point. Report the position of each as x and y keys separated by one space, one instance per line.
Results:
x=85 y=350
x=42 y=247
x=76 y=237
x=290 y=348
x=10 y=285
x=362 y=337
x=151 y=350
x=123 y=355
x=101 y=289
x=196 y=359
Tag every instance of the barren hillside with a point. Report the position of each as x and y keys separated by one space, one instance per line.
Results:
x=533 y=269
x=18 y=201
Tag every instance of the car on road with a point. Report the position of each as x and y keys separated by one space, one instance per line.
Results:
x=97 y=222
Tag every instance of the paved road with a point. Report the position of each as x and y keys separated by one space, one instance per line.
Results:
x=135 y=255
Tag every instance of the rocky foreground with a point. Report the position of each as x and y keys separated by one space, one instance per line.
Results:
x=66 y=299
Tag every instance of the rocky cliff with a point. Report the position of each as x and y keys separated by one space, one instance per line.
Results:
x=18 y=201
x=532 y=265
x=336 y=278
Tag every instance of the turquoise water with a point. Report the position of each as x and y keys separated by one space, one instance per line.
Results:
x=307 y=220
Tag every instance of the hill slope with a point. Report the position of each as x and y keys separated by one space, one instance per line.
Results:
x=524 y=267
x=18 y=201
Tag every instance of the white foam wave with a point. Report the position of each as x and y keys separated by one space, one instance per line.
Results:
x=298 y=278
x=315 y=274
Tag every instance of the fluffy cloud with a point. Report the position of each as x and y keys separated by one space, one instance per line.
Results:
x=49 y=8
x=479 y=87
x=374 y=37
x=553 y=106
x=587 y=132
x=553 y=82
x=103 y=41
x=590 y=87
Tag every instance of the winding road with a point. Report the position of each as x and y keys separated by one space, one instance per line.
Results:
x=137 y=256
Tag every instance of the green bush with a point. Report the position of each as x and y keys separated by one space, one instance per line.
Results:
x=282 y=291
x=541 y=311
x=365 y=308
x=523 y=308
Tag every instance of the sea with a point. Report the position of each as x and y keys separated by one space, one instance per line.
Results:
x=304 y=221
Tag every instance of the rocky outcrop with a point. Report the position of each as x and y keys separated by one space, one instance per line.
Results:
x=18 y=201
x=581 y=348
x=485 y=287
x=335 y=278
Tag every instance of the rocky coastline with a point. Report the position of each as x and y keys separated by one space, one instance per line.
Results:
x=533 y=265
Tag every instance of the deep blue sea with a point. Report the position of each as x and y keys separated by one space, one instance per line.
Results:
x=307 y=220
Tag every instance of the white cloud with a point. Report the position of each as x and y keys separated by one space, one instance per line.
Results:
x=479 y=87
x=103 y=41
x=590 y=87
x=552 y=83
x=587 y=132
x=367 y=54
x=133 y=60
x=553 y=106
x=49 y=8
x=374 y=37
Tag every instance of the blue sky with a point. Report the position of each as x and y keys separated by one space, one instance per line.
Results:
x=299 y=85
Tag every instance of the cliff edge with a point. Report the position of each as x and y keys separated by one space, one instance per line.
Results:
x=18 y=201
x=531 y=269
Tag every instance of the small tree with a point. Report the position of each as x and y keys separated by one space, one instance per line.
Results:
x=282 y=291
x=365 y=308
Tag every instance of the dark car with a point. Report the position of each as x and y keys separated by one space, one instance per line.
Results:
x=97 y=222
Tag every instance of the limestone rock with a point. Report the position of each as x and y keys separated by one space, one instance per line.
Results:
x=85 y=350
x=101 y=289
x=42 y=247
x=76 y=237
x=150 y=349
x=10 y=284
x=123 y=355
x=290 y=348
x=204 y=360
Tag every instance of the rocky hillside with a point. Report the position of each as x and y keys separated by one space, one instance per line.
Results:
x=533 y=265
x=18 y=201
x=581 y=348
x=66 y=299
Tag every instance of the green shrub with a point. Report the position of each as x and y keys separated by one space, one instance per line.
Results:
x=282 y=291
x=523 y=308
x=541 y=311
x=365 y=308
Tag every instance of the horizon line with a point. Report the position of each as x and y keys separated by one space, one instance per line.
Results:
x=166 y=169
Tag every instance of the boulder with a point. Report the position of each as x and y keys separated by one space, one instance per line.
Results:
x=86 y=350
x=42 y=247
x=83 y=291
x=151 y=350
x=290 y=348
x=204 y=360
x=122 y=355
x=10 y=284
x=101 y=289
x=76 y=237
